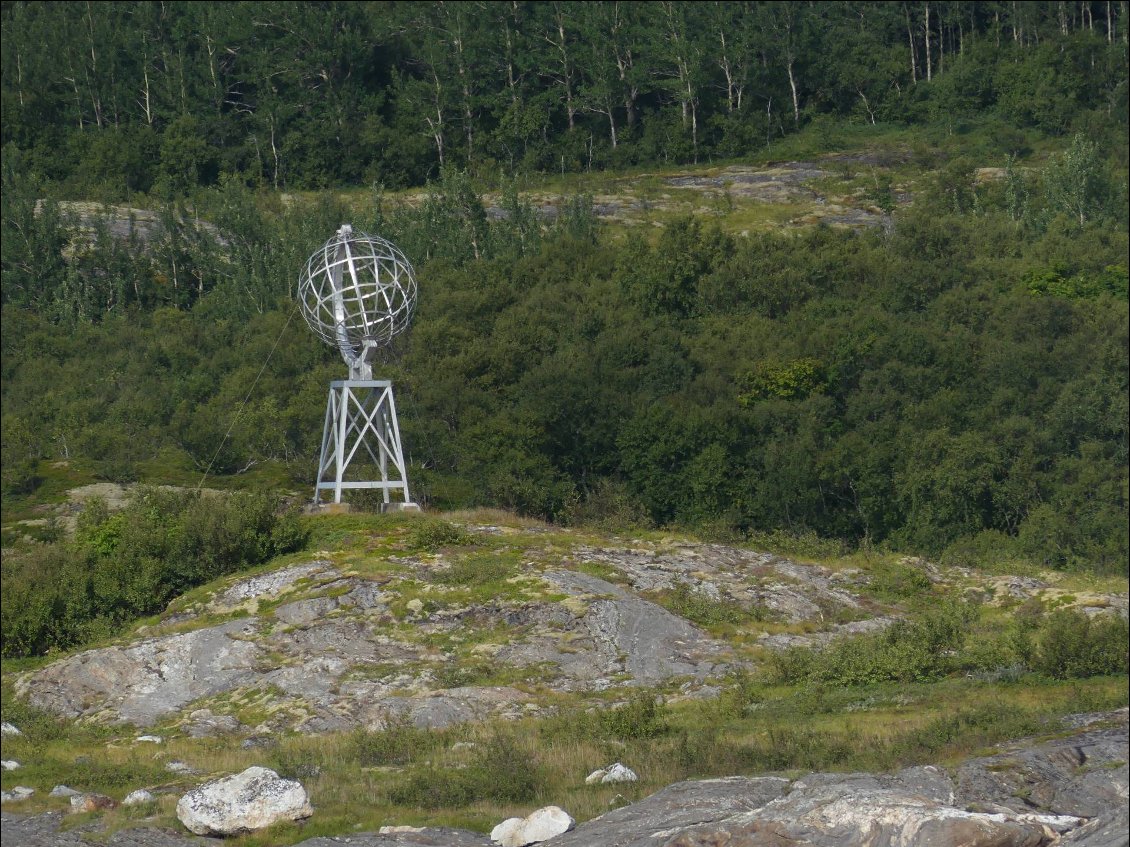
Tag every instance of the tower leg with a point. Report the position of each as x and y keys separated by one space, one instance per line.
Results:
x=329 y=432
x=362 y=414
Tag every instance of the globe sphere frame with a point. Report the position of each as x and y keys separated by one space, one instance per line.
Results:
x=358 y=292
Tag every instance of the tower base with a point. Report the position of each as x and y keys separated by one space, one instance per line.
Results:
x=361 y=415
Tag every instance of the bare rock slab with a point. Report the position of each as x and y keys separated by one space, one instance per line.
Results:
x=627 y=634
x=1085 y=775
x=245 y=802
x=146 y=681
x=844 y=814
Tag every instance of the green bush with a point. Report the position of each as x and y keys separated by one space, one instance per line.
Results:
x=434 y=788
x=969 y=728
x=641 y=717
x=908 y=651
x=703 y=610
x=502 y=772
x=400 y=743
x=786 y=381
x=608 y=507
x=802 y=545
x=432 y=533
x=122 y=566
x=1070 y=645
x=898 y=579
x=477 y=569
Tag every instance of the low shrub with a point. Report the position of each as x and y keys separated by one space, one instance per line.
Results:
x=907 y=651
x=800 y=545
x=431 y=534
x=1071 y=645
x=609 y=507
x=704 y=610
x=502 y=771
x=125 y=565
x=968 y=728
x=641 y=717
x=401 y=743
x=477 y=569
x=898 y=580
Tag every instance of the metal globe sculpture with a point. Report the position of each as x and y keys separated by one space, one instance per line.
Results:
x=358 y=292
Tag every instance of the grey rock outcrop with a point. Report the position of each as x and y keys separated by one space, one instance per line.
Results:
x=1109 y=830
x=634 y=636
x=407 y=837
x=618 y=633
x=148 y=680
x=316 y=650
x=316 y=647
x=1085 y=775
x=45 y=831
x=1032 y=794
x=438 y=709
x=244 y=802
x=856 y=813
x=762 y=582
x=674 y=808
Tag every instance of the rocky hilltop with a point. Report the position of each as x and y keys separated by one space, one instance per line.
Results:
x=362 y=637
x=428 y=625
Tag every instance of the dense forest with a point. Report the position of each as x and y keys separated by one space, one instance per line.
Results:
x=120 y=97
x=953 y=383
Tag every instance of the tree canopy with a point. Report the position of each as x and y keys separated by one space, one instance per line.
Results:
x=121 y=97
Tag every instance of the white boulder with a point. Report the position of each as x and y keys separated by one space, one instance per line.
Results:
x=151 y=739
x=245 y=802
x=507 y=832
x=610 y=774
x=9 y=764
x=619 y=773
x=138 y=797
x=536 y=827
x=20 y=792
x=64 y=791
x=9 y=729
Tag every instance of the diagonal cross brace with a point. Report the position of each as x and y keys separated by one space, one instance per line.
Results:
x=361 y=413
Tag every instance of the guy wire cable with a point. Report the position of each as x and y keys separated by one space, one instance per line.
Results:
x=246 y=397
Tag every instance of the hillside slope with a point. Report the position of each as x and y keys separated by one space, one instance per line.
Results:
x=415 y=660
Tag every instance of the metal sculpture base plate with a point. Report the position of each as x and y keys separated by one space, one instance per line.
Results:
x=361 y=415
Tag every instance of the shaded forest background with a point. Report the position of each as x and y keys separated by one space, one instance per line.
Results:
x=952 y=384
x=114 y=98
